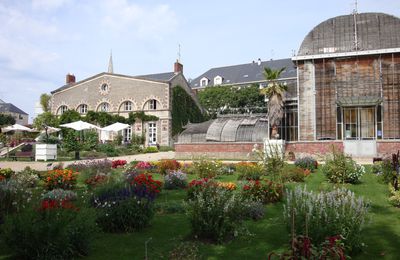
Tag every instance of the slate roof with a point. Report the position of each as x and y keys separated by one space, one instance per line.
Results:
x=336 y=35
x=160 y=77
x=246 y=73
x=10 y=108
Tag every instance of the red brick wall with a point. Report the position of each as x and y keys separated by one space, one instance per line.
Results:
x=387 y=147
x=313 y=148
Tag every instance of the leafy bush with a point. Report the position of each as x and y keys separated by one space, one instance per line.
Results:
x=394 y=197
x=255 y=210
x=175 y=180
x=272 y=160
x=51 y=233
x=294 y=174
x=118 y=163
x=385 y=171
x=151 y=149
x=168 y=165
x=144 y=185
x=6 y=173
x=61 y=179
x=264 y=191
x=326 y=214
x=185 y=250
x=307 y=163
x=14 y=196
x=59 y=195
x=249 y=171
x=206 y=168
x=196 y=186
x=341 y=168
x=108 y=149
x=216 y=213
x=123 y=208
x=28 y=177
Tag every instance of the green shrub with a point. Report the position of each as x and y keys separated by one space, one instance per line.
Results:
x=151 y=149
x=340 y=168
x=307 y=163
x=55 y=233
x=6 y=173
x=255 y=210
x=216 y=214
x=28 y=177
x=108 y=149
x=175 y=180
x=294 y=174
x=264 y=191
x=185 y=251
x=206 y=168
x=385 y=171
x=394 y=197
x=249 y=171
x=122 y=208
x=326 y=214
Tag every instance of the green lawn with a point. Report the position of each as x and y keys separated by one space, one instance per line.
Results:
x=382 y=234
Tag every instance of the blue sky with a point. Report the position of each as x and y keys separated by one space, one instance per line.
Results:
x=43 y=40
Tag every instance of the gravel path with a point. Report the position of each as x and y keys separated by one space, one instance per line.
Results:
x=42 y=166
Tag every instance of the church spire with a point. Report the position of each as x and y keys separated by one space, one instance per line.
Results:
x=110 y=64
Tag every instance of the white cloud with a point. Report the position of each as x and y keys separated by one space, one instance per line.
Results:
x=48 y=5
x=141 y=21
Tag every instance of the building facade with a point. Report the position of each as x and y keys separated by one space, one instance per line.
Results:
x=346 y=89
x=122 y=94
x=9 y=109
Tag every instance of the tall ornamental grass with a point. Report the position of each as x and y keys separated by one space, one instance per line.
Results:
x=326 y=214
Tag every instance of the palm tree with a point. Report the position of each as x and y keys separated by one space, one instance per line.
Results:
x=275 y=93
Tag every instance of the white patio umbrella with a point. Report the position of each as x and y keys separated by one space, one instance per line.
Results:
x=80 y=125
x=17 y=128
x=116 y=127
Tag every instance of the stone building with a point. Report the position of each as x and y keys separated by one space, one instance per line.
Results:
x=9 y=109
x=347 y=91
x=122 y=94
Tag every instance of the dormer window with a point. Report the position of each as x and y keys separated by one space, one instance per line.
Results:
x=217 y=80
x=204 y=82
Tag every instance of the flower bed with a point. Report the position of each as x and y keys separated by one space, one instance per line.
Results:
x=61 y=179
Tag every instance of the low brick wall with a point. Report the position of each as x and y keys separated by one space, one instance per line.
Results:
x=386 y=148
x=310 y=148
x=238 y=151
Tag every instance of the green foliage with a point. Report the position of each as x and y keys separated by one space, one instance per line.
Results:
x=6 y=120
x=326 y=214
x=108 y=149
x=206 y=168
x=46 y=118
x=118 y=140
x=133 y=117
x=249 y=171
x=294 y=174
x=184 y=110
x=151 y=149
x=217 y=97
x=91 y=139
x=216 y=214
x=51 y=234
x=340 y=168
x=138 y=139
x=185 y=251
x=307 y=163
x=45 y=102
x=103 y=118
x=72 y=141
x=69 y=116
x=264 y=191
x=385 y=171
x=394 y=197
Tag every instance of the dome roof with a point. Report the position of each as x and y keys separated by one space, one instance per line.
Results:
x=336 y=35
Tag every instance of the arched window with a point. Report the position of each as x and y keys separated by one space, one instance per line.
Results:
x=62 y=109
x=127 y=106
x=82 y=109
x=104 y=107
x=152 y=104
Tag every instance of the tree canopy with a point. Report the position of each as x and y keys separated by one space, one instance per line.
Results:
x=45 y=102
x=6 y=120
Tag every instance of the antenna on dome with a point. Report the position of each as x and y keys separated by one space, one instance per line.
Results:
x=355 y=12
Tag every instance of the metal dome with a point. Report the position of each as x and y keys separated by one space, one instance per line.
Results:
x=374 y=31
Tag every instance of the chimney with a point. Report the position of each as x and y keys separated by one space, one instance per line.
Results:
x=70 y=79
x=178 y=67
